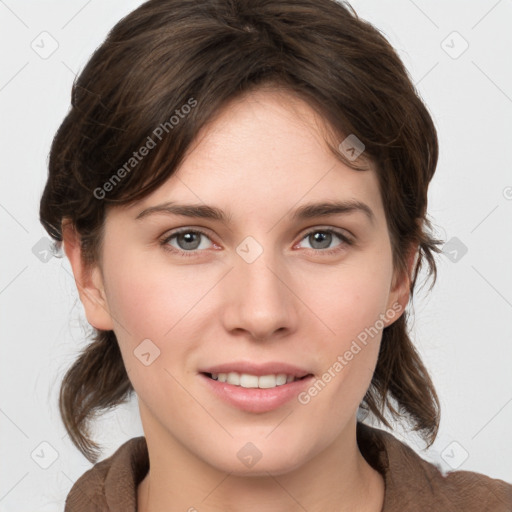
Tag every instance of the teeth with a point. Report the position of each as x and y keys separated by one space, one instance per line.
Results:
x=246 y=380
x=249 y=381
x=233 y=378
x=282 y=379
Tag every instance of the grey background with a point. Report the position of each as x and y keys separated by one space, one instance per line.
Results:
x=463 y=329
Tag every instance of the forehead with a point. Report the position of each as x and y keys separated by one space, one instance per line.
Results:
x=263 y=152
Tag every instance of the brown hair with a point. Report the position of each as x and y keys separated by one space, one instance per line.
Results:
x=170 y=53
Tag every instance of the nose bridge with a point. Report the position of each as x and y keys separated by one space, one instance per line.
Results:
x=261 y=301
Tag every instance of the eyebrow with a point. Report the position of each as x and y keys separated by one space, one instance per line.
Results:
x=307 y=211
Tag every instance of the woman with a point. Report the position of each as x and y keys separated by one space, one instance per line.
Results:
x=241 y=189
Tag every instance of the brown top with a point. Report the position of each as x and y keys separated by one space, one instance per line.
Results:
x=412 y=484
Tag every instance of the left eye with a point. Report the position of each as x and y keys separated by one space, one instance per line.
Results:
x=189 y=241
x=324 y=237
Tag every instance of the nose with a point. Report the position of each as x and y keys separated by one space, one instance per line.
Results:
x=261 y=302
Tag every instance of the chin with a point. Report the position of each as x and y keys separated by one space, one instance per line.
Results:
x=249 y=460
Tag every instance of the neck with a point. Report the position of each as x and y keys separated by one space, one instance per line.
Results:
x=336 y=479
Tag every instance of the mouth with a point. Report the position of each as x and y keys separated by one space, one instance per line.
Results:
x=250 y=381
x=255 y=393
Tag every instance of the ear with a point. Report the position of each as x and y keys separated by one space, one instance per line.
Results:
x=400 y=287
x=88 y=280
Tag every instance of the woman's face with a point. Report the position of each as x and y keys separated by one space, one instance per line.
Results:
x=261 y=287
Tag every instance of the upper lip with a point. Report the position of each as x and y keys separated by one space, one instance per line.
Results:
x=258 y=369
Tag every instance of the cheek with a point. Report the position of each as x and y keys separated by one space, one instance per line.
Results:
x=160 y=304
x=152 y=301
x=168 y=305
x=349 y=299
x=351 y=302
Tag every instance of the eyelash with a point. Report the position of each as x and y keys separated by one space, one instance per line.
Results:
x=165 y=242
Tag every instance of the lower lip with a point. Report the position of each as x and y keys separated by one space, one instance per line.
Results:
x=256 y=399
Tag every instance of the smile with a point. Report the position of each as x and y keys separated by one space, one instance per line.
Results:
x=246 y=380
x=252 y=393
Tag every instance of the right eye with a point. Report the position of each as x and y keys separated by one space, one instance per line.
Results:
x=188 y=241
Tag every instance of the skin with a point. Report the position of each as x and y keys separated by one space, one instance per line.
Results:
x=261 y=158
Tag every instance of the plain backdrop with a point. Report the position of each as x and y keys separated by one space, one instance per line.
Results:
x=458 y=55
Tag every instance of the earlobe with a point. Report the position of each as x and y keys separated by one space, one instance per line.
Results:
x=88 y=280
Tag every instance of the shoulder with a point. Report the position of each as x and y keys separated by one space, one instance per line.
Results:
x=468 y=489
x=414 y=484
x=112 y=483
